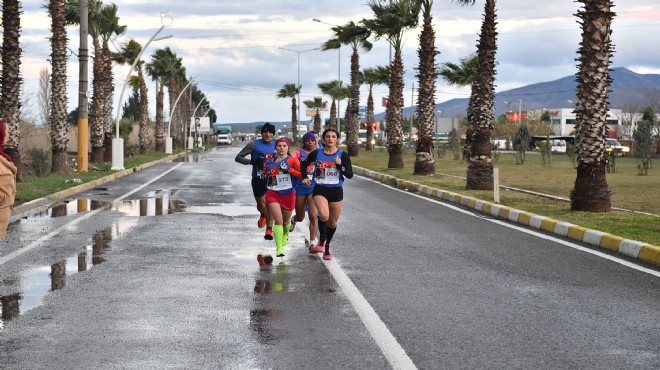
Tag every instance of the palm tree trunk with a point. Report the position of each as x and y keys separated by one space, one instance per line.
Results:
x=108 y=90
x=58 y=114
x=394 y=114
x=424 y=158
x=370 y=118
x=160 y=132
x=144 y=116
x=591 y=193
x=97 y=132
x=10 y=104
x=480 y=111
x=354 y=106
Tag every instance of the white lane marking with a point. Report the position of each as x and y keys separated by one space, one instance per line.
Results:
x=388 y=344
x=531 y=232
x=55 y=232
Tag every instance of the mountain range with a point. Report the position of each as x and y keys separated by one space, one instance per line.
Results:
x=628 y=89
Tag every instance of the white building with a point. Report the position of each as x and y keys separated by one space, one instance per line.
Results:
x=562 y=121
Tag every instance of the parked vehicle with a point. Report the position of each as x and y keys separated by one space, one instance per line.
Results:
x=613 y=145
x=558 y=146
x=224 y=139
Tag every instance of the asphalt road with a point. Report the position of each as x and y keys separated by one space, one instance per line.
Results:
x=158 y=270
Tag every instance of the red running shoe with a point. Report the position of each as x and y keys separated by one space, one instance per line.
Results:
x=262 y=221
x=268 y=235
x=320 y=248
x=327 y=256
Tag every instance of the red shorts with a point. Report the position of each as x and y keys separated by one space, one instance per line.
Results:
x=286 y=201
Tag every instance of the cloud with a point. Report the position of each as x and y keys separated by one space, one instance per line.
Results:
x=232 y=47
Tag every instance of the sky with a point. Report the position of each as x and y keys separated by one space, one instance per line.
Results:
x=234 y=48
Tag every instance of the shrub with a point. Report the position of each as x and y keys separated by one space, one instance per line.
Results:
x=39 y=158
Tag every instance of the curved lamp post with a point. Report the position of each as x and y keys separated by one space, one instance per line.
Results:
x=299 y=52
x=117 y=142
x=338 y=73
x=190 y=138
x=168 y=139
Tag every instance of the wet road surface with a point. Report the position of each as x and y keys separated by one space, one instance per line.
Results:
x=158 y=269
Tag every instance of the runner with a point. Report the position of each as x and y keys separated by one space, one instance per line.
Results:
x=332 y=165
x=257 y=149
x=282 y=175
x=304 y=192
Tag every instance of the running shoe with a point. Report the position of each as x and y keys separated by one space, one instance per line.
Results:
x=268 y=235
x=260 y=259
x=280 y=251
x=320 y=248
x=262 y=221
x=327 y=256
x=293 y=224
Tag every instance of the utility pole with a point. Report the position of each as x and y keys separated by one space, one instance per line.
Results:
x=83 y=124
x=412 y=105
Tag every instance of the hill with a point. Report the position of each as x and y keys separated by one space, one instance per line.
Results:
x=628 y=89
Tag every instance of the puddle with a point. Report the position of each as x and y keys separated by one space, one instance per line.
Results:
x=228 y=209
x=187 y=158
x=154 y=204
x=36 y=283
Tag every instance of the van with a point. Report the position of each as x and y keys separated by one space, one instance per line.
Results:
x=224 y=139
x=558 y=146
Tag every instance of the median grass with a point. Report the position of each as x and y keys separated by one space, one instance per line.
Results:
x=629 y=190
x=34 y=187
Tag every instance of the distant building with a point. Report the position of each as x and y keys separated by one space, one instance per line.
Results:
x=562 y=121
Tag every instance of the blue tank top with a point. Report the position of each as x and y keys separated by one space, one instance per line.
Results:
x=278 y=180
x=261 y=148
x=301 y=155
x=326 y=173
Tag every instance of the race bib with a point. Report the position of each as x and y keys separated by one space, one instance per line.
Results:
x=280 y=181
x=330 y=176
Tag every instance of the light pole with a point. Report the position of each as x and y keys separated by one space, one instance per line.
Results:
x=168 y=139
x=298 y=85
x=338 y=74
x=190 y=139
x=117 y=142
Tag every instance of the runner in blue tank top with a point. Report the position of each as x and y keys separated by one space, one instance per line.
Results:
x=257 y=151
x=304 y=192
x=332 y=166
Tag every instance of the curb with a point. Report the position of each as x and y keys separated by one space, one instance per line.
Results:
x=632 y=248
x=32 y=206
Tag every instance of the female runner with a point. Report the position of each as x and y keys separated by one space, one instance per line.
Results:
x=282 y=174
x=332 y=166
x=304 y=192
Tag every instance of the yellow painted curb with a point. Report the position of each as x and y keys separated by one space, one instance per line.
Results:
x=611 y=242
x=650 y=254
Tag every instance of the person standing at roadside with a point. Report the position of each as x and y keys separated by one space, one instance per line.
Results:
x=7 y=182
x=304 y=192
x=282 y=175
x=331 y=166
x=257 y=150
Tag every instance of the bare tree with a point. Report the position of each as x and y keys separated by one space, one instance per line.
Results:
x=629 y=114
x=43 y=95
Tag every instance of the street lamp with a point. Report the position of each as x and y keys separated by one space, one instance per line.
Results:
x=338 y=73
x=117 y=142
x=168 y=139
x=298 y=85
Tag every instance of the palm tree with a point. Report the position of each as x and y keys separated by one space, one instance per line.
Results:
x=161 y=67
x=291 y=91
x=336 y=92
x=424 y=159
x=480 y=106
x=58 y=98
x=109 y=27
x=461 y=74
x=591 y=192
x=373 y=76
x=356 y=36
x=96 y=129
x=317 y=103
x=392 y=20
x=10 y=104
x=127 y=55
